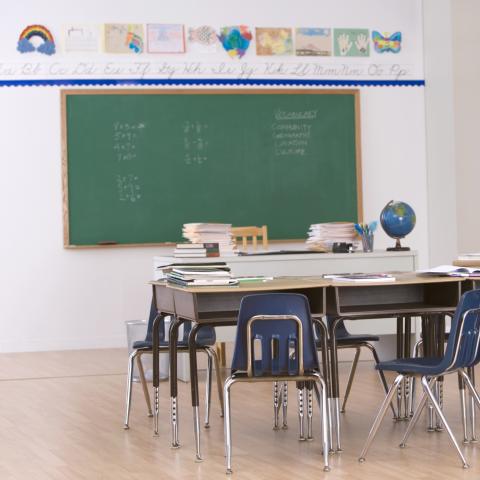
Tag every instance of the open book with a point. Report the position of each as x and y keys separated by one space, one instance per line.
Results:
x=360 y=277
x=452 y=271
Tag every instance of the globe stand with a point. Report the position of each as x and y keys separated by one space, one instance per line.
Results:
x=398 y=247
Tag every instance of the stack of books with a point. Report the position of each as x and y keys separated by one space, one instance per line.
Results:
x=201 y=275
x=220 y=233
x=322 y=236
x=192 y=250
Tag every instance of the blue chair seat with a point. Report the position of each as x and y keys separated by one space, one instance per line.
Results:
x=421 y=365
x=207 y=339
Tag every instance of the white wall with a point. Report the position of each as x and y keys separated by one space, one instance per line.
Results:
x=54 y=298
x=442 y=224
x=466 y=73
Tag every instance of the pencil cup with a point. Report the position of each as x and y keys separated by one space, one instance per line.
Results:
x=367 y=242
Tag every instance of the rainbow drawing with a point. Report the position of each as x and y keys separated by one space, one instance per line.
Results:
x=134 y=42
x=25 y=44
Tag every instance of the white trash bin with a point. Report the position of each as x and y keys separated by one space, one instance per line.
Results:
x=137 y=330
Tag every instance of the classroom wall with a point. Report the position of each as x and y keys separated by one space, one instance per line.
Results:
x=466 y=72
x=54 y=298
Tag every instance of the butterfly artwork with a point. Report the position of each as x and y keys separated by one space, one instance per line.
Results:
x=387 y=43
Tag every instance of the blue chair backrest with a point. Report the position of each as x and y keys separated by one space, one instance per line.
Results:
x=205 y=333
x=462 y=346
x=277 y=337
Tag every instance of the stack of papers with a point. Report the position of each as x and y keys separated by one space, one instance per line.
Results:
x=322 y=236
x=469 y=256
x=192 y=250
x=361 y=277
x=201 y=275
x=220 y=233
x=451 y=271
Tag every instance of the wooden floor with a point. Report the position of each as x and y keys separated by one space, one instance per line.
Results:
x=61 y=418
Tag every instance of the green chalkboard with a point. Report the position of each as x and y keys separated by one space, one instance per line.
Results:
x=138 y=164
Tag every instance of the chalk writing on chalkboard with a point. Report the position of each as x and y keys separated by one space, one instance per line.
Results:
x=195 y=142
x=128 y=187
x=290 y=136
x=125 y=139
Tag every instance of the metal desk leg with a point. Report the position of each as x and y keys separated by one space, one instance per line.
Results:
x=192 y=350
x=400 y=353
x=440 y=335
x=407 y=337
x=156 y=371
x=172 y=342
x=334 y=390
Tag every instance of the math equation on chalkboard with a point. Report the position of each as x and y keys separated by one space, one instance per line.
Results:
x=195 y=142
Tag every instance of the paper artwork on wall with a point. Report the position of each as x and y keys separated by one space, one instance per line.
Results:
x=36 y=38
x=123 y=38
x=203 y=39
x=386 y=42
x=313 y=42
x=274 y=41
x=81 y=38
x=351 y=42
x=235 y=40
x=165 y=38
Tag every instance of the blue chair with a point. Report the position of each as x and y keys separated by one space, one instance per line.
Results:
x=462 y=352
x=205 y=341
x=344 y=340
x=275 y=342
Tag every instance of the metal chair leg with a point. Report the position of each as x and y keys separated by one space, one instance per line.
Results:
x=473 y=432
x=208 y=389
x=284 y=405
x=379 y=417
x=350 y=379
x=416 y=417
x=276 y=404
x=309 y=411
x=463 y=407
x=218 y=376
x=435 y=404
x=381 y=375
x=128 y=399
x=300 y=397
x=143 y=381
x=325 y=421
x=411 y=401
x=227 y=423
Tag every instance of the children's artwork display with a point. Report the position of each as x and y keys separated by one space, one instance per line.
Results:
x=165 y=38
x=36 y=38
x=312 y=42
x=351 y=44
x=274 y=41
x=123 y=38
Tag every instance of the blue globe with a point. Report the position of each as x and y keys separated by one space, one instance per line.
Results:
x=398 y=220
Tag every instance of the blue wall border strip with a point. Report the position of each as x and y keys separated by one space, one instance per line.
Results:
x=208 y=81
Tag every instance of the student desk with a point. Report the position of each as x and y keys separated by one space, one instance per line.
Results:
x=410 y=295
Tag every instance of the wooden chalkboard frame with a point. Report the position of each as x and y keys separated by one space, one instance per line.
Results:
x=64 y=128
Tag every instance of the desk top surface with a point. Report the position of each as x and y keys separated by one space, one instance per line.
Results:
x=290 y=283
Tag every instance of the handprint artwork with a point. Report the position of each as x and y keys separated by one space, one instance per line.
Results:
x=351 y=42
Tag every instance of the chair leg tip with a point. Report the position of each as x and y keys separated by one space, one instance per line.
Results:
x=126 y=427
x=361 y=459
x=326 y=468
x=402 y=445
x=466 y=465
x=150 y=414
x=207 y=425
x=229 y=471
